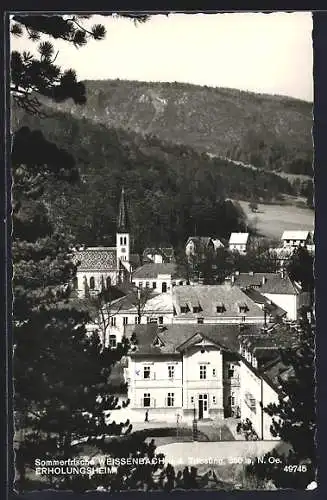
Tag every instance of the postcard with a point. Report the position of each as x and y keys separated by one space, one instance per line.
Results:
x=163 y=251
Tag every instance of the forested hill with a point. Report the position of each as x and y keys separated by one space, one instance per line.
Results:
x=172 y=189
x=270 y=132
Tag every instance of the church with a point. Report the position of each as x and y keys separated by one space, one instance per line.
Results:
x=100 y=267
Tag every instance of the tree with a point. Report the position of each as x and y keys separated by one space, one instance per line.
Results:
x=300 y=269
x=294 y=417
x=61 y=374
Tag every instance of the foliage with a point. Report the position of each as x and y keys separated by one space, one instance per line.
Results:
x=300 y=269
x=294 y=417
x=270 y=132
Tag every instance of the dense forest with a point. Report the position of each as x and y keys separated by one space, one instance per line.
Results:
x=269 y=132
x=172 y=190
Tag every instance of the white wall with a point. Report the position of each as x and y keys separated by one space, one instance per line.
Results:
x=262 y=393
x=219 y=320
x=290 y=303
x=212 y=385
x=80 y=275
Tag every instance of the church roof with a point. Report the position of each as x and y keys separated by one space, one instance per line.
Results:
x=96 y=259
x=122 y=220
x=153 y=270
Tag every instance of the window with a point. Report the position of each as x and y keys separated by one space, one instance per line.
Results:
x=146 y=372
x=147 y=284
x=184 y=309
x=164 y=287
x=170 y=399
x=243 y=308
x=154 y=285
x=214 y=400
x=192 y=399
x=214 y=372
x=197 y=309
x=137 y=320
x=200 y=321
x=180 y=283
x=220 y=308
x=231 y=400
x=125 y=320
x=125 y=240
x=152 y=320
x=174 y=283
x=113 y=321
x=112 y=341
x=121 y=240
x=231 y=371
x=203 y=372
x=146 y=400
x=140 y=284
x=133 y=283
x=160 y=320
x=171 y=371
x=108 y=282
x=92 y=283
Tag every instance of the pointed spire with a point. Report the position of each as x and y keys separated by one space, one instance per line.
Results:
x=122 y=221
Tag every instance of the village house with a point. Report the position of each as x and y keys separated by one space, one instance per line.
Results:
x=296 y=238
x=273 y=313
x=238 y=242
x=159 y=277
x=276 y=287
x=199 y=372
x=213 y=304
x=199 y=246
x=163 y=255
x=136 y=307
x=99 y=267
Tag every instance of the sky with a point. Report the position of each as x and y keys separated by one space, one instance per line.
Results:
x=265 y=53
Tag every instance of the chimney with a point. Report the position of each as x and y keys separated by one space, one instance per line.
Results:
x=282 y=273
x=251 y=273
x=264 y=279
x=232 y=280
x=237 y=273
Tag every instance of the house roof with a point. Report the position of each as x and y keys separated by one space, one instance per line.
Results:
x=199 y=240
x=272 y=283
x=295 y=235
x=208 y=297
x=153 y=302
x=238 y=238
x=96 y=259
x=217 y=243
x=167 y=252
x=152 y=270
x=174 y=337
x=134 y=260
x=258 y=298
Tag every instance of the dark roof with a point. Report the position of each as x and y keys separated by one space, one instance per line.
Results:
x=152 y=270
x=278 y=336
x=134 y=260
x=175 y=336
x=200 y=242
x=258 y=298
x=208 y=297
x=274 y=370
x=122 y=220
x=96 y=259
x=273 y=283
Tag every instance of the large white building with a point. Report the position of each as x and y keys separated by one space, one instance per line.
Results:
x=160 y=277
x=296 y=238
x=186 y=372
x=276 y=287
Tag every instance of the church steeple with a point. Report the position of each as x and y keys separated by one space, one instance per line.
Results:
x=122 y=220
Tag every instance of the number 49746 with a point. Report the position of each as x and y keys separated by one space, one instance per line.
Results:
x=295 y=468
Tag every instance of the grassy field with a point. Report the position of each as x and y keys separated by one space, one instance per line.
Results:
x=271 y=220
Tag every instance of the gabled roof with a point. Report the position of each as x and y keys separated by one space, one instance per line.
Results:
x=258 y=298
x=153 y=302
x=272 y=283
x=167 y=252
x=199 y=240
x=211 y=296
x=96 y=259
x=174 y=336
x=151 y=271
x=238 y=238
x=295 y=235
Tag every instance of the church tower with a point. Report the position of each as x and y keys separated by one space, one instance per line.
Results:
x=122 y=235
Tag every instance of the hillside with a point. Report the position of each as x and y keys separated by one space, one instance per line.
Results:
x=171 y=188
x=269 y=132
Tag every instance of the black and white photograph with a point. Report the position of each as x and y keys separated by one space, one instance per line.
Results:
x=163 y=247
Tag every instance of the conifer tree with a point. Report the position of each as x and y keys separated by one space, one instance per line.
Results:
x=294 y=417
